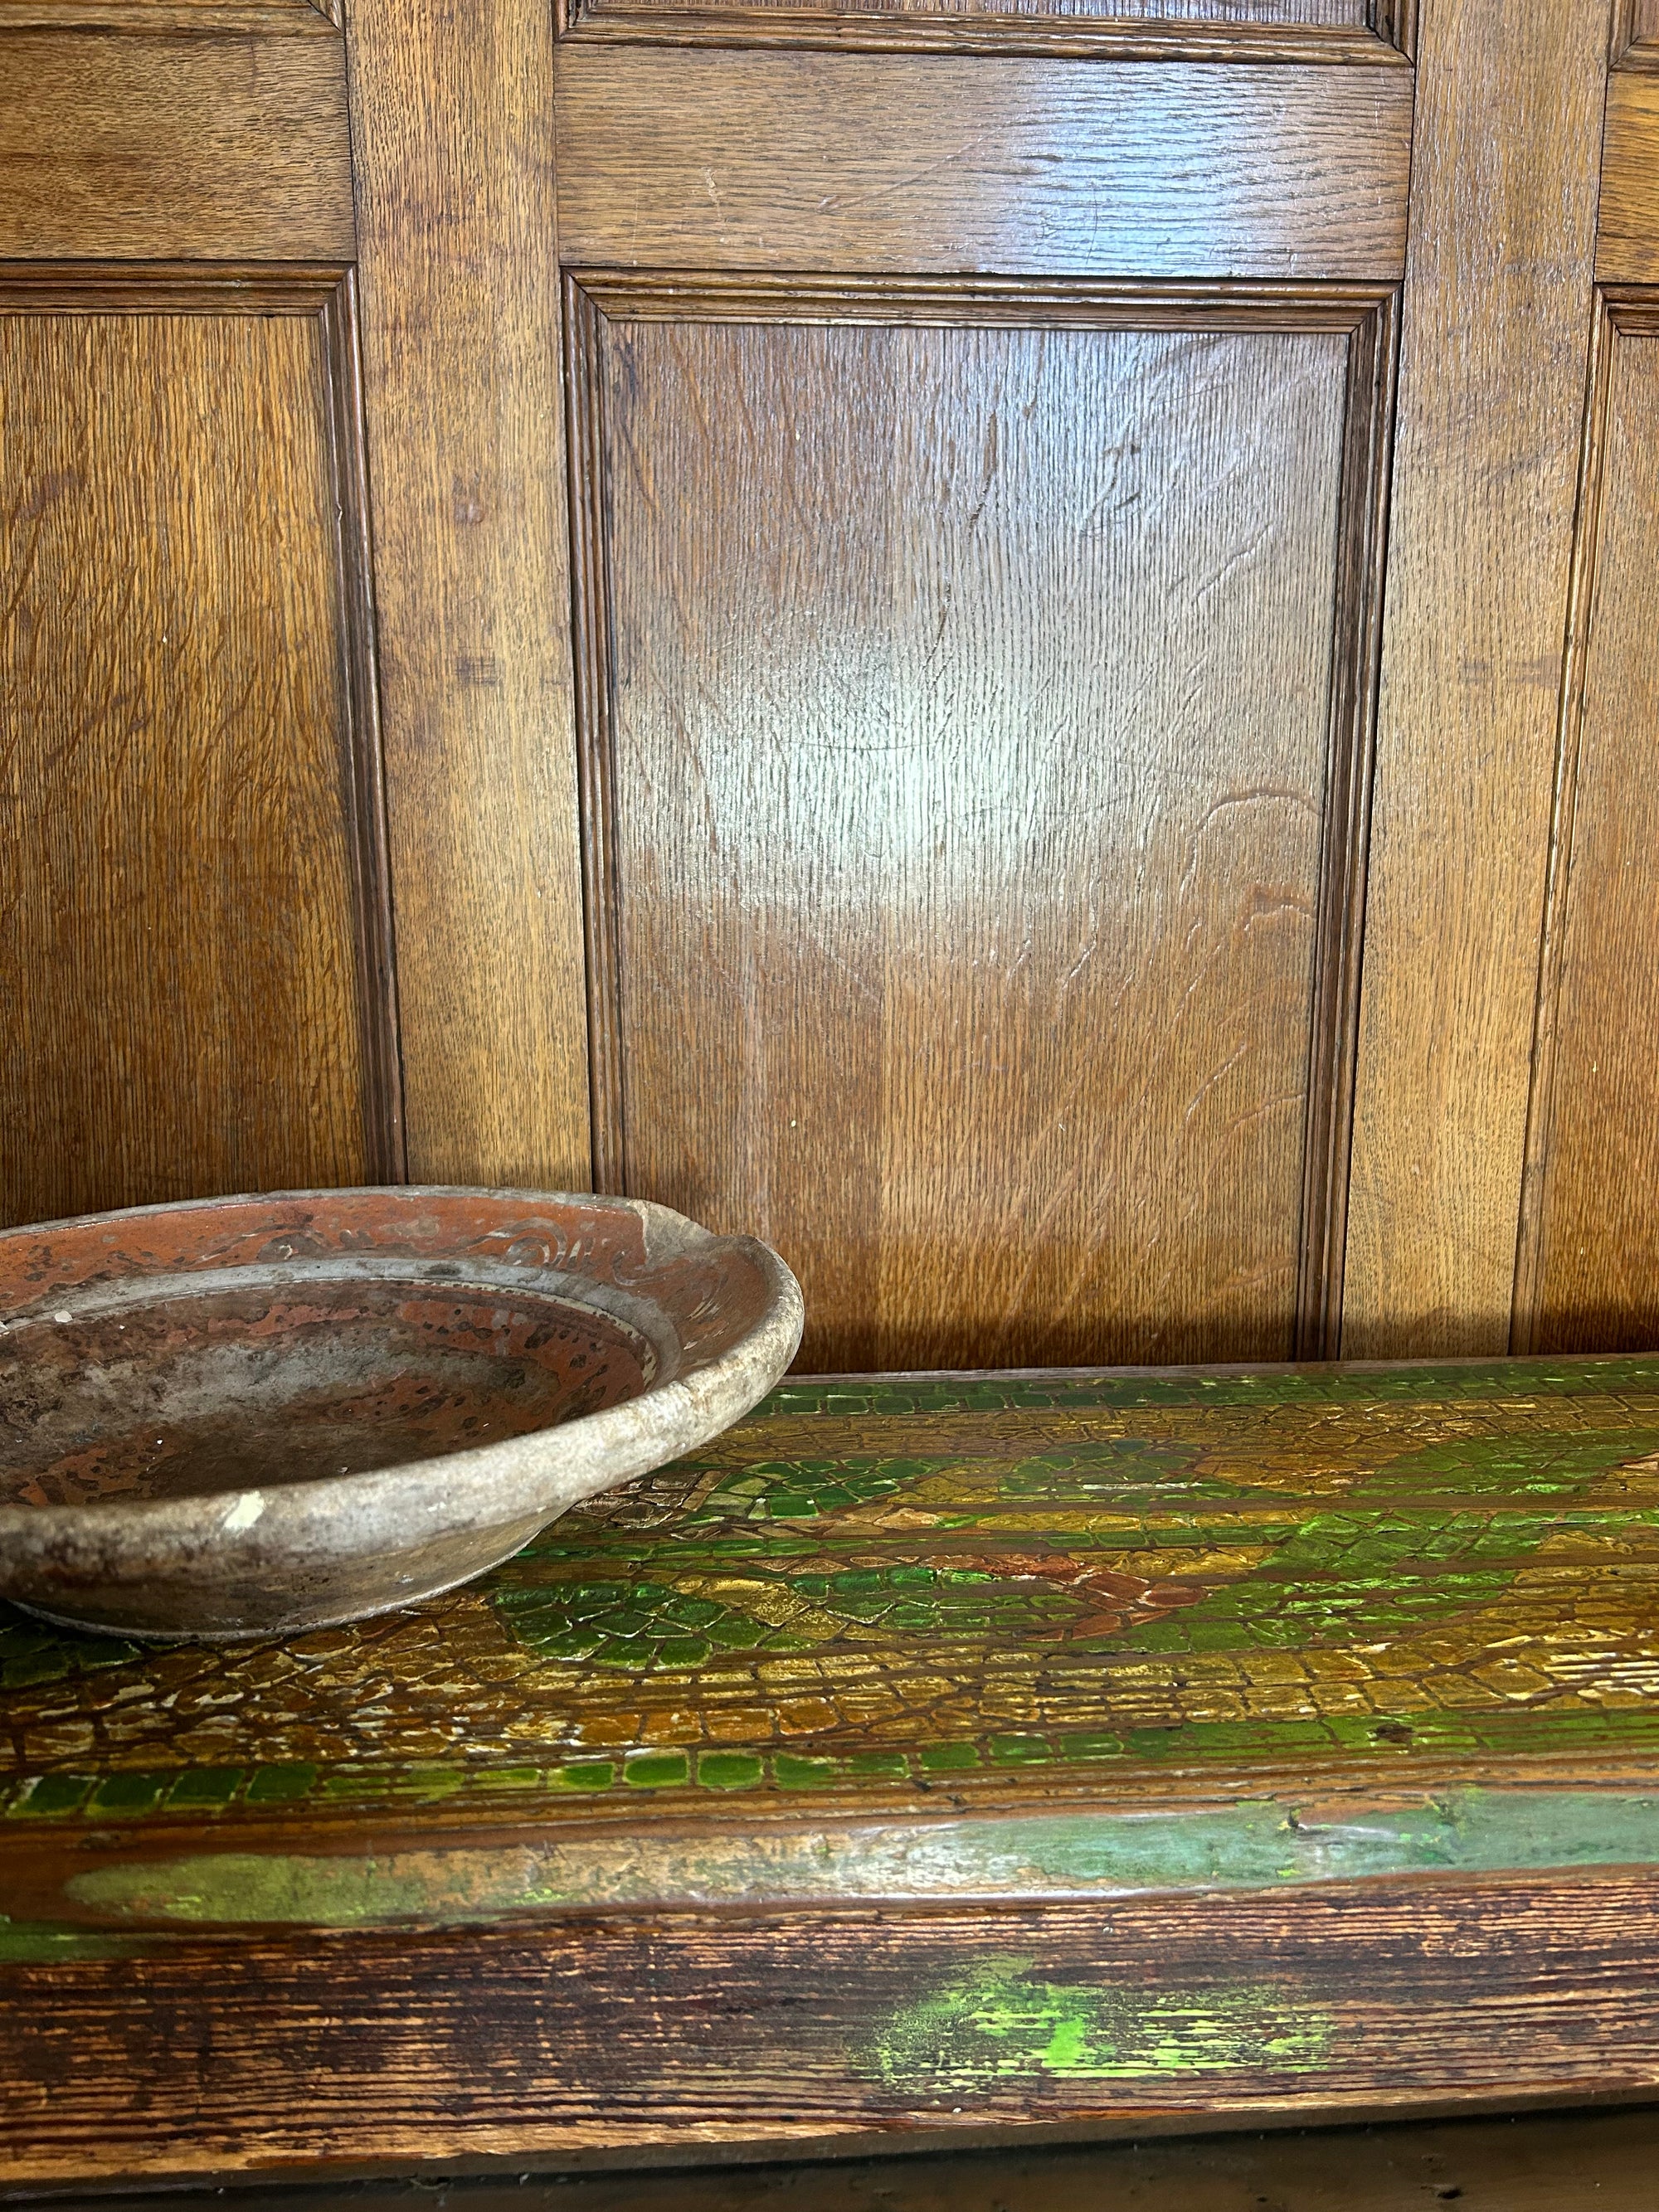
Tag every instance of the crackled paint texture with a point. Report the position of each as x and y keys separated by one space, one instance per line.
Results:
x=874 y=1584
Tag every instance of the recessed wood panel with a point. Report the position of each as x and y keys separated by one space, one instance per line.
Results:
x=180 y=1011
x=970 y=739
x=1596 y=1265
x=857 y=162
x=173 y=146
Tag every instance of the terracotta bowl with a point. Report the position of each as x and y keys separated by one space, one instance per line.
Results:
x=245 y=1416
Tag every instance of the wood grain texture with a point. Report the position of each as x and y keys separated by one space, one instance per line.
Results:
x=1497 y=318
x=1537 y=2162
x=753 y=2030
x=203 y=18
x=182 y=1009
x=460 y=338
x=1117 y=36
x=862 y=163
x=173 y=147
x=1111 y=1751
x=1627 y=237
x=958 y=783
x=1597 y=1232
x=1530 y=1249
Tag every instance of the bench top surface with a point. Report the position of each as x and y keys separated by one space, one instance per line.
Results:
x=1207 y=1594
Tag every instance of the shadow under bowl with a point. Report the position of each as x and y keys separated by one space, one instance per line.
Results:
x=244 y=1416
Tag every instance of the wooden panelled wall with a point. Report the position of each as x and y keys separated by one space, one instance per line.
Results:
x=1012 y=645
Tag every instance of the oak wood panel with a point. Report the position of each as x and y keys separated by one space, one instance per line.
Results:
x=869 y=162
x=1496 y=314
x=172 y=147
x=968 y=786
x=1597 y=1268
x=827 y=2027
x=1627 y=239
x=460 y=338
x=182 y=1012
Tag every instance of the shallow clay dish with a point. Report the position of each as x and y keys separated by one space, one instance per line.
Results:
x=251 y=1415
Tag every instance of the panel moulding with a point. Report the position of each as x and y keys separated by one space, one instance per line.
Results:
x=1389 y=37
x=224 y=19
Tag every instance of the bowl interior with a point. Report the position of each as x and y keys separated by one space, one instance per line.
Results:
x=181 y=1388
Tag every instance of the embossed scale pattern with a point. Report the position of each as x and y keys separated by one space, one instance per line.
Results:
x=875 y=1584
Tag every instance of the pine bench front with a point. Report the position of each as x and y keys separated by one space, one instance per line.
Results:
x=1071 y=1750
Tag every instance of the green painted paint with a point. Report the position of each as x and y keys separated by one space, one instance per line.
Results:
x=1397 y=1383
x=281 y=1784
x=49 y=1943
x=801 y=1489
x=932 y=1585
x=43 y=1797
x=795 y=1770
x=127 y=1793
x=1000 y=2023
x=657 y=1770
x=204 y=1789
x=1392 y=1739
x=731 y=1770
x=949 y=1758
x=584 y=1774
x=1266 y=1844
x=31 y=1652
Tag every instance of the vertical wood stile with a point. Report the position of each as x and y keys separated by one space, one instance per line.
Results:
x=451 y=123
x=1496 y=313
x=1530 y=1256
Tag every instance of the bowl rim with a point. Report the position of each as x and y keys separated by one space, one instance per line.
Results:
x=540 y=1471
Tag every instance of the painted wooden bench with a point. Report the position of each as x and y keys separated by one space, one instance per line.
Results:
x=1121 y=1749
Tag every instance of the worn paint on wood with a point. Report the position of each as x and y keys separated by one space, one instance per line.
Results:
x=874 y=1589
x=927 y=1752
x=649 y=2031
x=1257 y=1844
